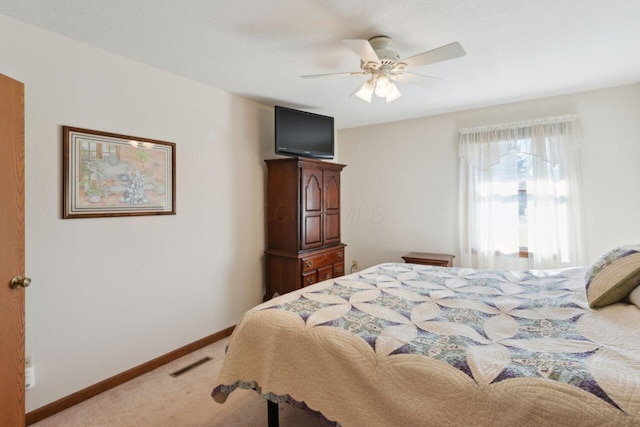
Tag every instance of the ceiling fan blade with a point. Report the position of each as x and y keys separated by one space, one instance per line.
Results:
x=363 y=49
x=442 y=53
x=347 y=74
x=417 y=79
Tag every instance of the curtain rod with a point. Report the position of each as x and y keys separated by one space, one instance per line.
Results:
x=514 y=125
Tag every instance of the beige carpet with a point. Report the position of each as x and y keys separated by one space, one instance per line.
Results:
x=158 y=399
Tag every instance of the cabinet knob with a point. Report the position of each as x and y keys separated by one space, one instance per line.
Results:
x=309 y=281
x=308 y=262
x=339 y=269
x=340 y=255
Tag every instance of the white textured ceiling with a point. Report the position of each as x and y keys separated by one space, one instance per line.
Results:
x=516 y=49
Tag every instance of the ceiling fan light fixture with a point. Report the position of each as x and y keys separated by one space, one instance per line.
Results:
x=393 y=94
x=365 y=91
x=383 y=86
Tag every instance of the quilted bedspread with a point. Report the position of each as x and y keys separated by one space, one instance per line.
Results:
x=412 y=345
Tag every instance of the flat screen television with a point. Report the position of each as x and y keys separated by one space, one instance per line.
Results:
x=303 y=134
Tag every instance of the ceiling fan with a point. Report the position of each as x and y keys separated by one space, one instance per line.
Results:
x=383 y=64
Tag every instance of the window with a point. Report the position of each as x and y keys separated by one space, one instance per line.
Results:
x=94 y=150
x=89 y=151
x=519 y=196
x=509 y=197
x=524 y=172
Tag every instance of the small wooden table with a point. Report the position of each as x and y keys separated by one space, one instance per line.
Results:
x=440 y=260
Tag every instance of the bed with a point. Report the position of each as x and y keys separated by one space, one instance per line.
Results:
x=414 y=345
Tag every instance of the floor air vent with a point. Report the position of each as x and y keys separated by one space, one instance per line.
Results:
x=190 y=367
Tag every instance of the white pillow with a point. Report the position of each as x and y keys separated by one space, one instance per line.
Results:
x=634 y=297
x=612 y=277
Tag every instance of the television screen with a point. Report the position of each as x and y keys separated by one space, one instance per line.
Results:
x=299 y=133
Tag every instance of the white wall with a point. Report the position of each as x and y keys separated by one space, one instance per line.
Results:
x=400 y=187
x=109 y=294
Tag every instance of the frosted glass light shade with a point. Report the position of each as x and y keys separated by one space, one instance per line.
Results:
x=365 y=91
x=383 y=86
x=394 y=93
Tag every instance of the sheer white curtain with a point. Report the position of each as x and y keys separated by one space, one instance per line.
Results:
x=519 y=186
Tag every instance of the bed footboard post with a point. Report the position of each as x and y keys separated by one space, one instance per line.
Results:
x=272 y=414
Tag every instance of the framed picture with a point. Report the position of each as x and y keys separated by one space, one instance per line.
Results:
x=106 y=175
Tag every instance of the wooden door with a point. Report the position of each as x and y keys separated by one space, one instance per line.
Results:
x=311 y=208
x=11 y=252
x=331 y=200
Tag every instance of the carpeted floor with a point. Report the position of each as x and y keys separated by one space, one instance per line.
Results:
x=158 y=399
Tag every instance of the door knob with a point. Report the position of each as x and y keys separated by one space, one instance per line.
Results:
x=19 y=281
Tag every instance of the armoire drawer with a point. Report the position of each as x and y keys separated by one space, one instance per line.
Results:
x=314 y=262
x=325 y=273
x=309 y=278
x=336 y=256
x=338 y=269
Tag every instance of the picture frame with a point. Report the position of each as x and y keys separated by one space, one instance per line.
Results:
x=107 y=175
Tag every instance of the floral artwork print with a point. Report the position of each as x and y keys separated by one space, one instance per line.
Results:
x=116 y=175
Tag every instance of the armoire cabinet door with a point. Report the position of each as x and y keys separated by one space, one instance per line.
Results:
x=311 y=209
x=331 y=199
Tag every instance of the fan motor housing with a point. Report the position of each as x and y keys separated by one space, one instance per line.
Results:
x=382 y=46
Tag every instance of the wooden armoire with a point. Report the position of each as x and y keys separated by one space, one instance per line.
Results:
x=303 y=224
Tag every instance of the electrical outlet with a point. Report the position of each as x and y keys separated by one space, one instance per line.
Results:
x=354 y=265
x=29 y=373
